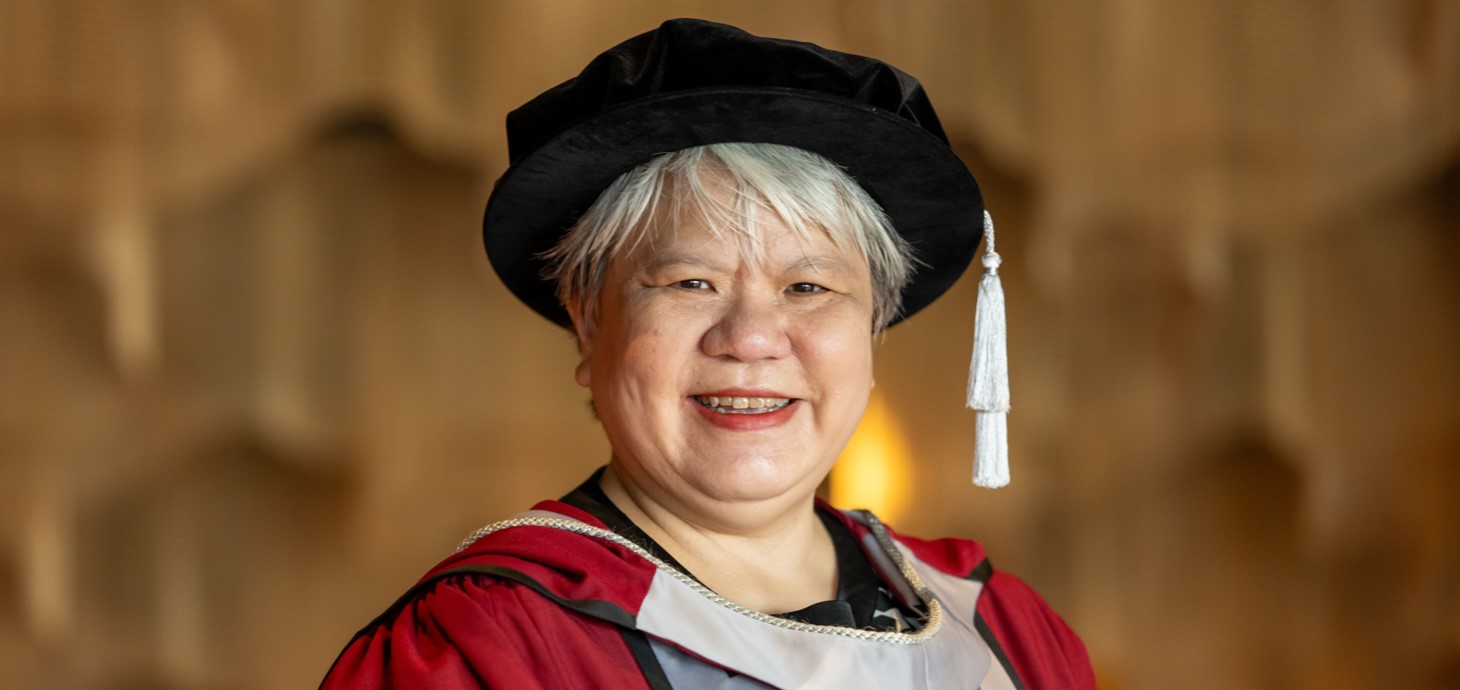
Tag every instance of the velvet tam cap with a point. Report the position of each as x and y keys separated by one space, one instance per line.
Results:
x=692 y=82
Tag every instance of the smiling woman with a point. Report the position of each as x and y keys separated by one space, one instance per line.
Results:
x=689 y=314
x=743 y=216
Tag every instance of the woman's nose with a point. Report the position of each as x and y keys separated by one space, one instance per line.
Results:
x=748 y=329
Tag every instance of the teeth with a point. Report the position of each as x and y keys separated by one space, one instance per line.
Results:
x=742 y=405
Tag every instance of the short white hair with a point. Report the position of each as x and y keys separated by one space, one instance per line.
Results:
x=807 y=192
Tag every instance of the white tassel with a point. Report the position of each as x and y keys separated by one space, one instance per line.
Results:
x=988 y=373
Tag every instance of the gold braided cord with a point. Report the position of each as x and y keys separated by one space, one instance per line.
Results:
x=934 y=618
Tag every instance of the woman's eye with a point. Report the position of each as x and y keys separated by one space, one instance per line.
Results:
x=693 y=284
x=806 y=288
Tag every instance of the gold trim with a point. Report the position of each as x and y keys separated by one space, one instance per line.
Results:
x=933 y=620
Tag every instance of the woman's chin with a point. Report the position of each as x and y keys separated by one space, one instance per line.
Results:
x=756 y=484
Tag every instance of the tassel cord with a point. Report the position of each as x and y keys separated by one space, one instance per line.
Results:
x=988 y=372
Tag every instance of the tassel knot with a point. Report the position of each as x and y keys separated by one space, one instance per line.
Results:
x=988 y=372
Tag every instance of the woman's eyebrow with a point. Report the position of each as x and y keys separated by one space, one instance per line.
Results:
x=821 y=263
x=674 y=260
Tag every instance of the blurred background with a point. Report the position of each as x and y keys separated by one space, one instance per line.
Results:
x=256 y=375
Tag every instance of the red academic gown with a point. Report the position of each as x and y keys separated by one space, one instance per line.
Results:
x=546 y=607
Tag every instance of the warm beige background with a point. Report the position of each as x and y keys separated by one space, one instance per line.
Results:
x=255 y=374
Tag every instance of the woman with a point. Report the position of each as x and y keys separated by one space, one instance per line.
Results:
x=743 y=216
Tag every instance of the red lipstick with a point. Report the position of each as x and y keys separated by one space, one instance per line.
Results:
x=741 y=421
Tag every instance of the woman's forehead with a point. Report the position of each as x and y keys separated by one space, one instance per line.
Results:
x=763 y=239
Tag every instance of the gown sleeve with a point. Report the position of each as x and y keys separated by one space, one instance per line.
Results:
x=467 y=632
x=1043 y=649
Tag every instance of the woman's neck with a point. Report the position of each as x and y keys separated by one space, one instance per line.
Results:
x=775 y=561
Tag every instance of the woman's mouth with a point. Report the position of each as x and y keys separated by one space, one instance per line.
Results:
x=741 y=405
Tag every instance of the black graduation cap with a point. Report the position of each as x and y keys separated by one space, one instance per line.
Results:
x=692 y=82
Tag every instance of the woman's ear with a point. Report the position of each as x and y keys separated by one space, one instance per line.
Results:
x=583 y=327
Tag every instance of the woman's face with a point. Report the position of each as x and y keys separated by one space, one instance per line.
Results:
x=721 y=380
